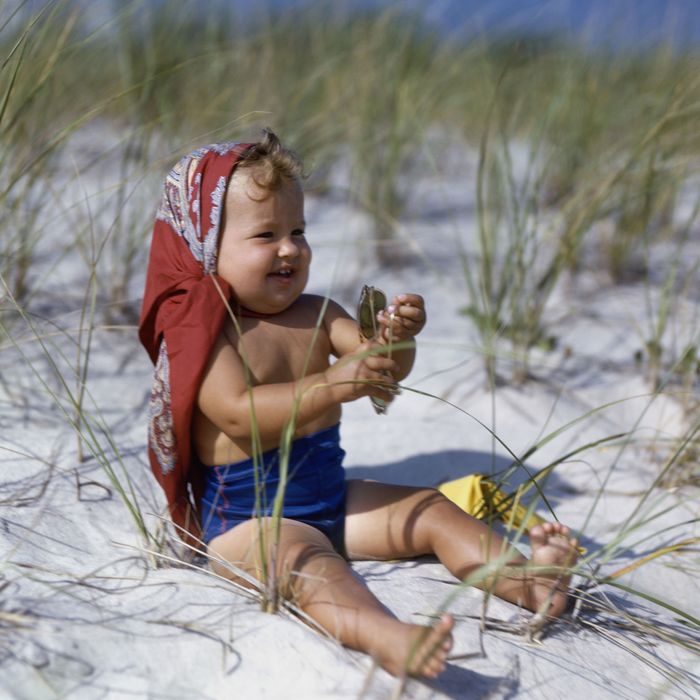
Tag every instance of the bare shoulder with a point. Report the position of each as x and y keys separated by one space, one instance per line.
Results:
x=330 y=309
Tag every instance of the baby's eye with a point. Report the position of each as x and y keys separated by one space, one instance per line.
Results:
x=298 y=232
x=265 y=234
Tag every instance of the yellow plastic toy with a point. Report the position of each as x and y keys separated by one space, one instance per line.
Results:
x=480 y=497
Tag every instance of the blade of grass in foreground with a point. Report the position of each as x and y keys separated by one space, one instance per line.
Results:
x=82 y=425
x=498 y=567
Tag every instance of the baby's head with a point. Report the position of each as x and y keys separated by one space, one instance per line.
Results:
x=263 y=253
x=269 y=164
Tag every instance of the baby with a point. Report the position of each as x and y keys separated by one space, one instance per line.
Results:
x=243 y=354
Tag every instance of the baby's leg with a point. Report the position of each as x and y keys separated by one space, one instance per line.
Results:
x=391 y=522
x=318 y=580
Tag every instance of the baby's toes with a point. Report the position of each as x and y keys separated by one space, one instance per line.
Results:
x=562 y=530
x=429 y=667
x=436 y=666
x=537 y=534
x=562 y=543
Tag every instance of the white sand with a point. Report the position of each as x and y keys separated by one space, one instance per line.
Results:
x=84 y=614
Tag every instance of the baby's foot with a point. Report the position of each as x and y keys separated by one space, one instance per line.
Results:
x=553 y=546
x=415 y=650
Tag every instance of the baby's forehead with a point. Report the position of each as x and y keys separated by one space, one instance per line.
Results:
x=245 y=182
x=242 y=178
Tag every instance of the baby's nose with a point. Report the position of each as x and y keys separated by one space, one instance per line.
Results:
x=288 y=248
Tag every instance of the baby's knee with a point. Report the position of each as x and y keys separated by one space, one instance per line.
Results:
x=306 y=561
x=300 y=544
x=439 y=503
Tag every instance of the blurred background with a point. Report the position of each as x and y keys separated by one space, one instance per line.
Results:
x=554 y=137
x=530 y=166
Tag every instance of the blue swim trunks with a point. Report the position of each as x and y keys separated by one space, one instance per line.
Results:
x=315 y=492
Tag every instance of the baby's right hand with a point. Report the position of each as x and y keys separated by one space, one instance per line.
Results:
x=363 y=374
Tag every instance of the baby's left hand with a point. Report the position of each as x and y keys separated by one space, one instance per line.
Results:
x=405 y=315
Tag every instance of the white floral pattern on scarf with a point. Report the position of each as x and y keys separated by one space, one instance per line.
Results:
x=161 y=436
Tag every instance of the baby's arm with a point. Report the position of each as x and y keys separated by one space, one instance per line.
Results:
x=224 y=397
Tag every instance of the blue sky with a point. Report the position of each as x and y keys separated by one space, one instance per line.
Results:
x=615 y=22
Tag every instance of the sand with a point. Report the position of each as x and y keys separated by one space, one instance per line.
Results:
x=86 y=613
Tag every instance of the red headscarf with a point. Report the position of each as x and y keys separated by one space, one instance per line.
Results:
x=182 y=316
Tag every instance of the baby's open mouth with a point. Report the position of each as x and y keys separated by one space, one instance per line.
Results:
x=287 y=272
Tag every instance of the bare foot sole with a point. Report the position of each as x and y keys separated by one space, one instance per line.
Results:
x=415 y=650
x=552 y=545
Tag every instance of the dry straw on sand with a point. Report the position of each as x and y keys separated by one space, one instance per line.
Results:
x=549 y=219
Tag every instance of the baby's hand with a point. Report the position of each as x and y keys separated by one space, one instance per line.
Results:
x=365 y=372
x=403 y=319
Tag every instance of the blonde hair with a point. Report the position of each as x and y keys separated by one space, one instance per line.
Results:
x=270 y=164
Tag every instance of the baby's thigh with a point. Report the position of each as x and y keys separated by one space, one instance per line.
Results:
x=248 y=549
x=387 y=521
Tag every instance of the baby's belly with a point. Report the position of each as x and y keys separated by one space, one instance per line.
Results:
x=221 y=449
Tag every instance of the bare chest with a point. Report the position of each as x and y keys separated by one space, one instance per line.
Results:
x=282 y=352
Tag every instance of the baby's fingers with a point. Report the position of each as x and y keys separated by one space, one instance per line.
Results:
x=382 y=364
x=376 y=357
x=414 y=300
x=401 y=321
x=406 y=312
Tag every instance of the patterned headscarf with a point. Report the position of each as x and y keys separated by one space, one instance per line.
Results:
x=182 y=316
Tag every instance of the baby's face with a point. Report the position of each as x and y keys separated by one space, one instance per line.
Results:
x=263 y=253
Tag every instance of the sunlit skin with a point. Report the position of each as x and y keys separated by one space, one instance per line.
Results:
x=265 y=256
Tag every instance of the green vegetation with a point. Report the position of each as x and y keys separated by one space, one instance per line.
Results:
x=577 y=150
x=584 y=162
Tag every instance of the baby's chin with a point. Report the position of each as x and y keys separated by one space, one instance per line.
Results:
x=268 y=307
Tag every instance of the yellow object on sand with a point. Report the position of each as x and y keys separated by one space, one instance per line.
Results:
x=480 y=497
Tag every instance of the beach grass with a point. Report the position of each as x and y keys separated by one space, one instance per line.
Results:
x=585 y=163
